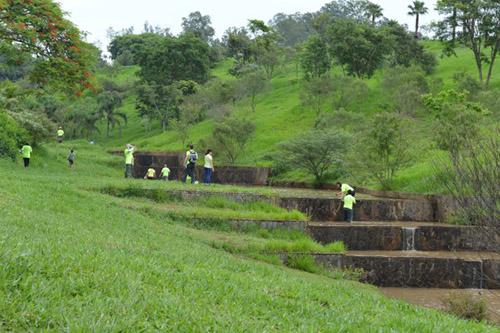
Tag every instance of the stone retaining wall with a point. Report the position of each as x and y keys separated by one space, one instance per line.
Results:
x=419 y=272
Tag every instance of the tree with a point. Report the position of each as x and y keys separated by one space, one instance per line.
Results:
x=417 y=9
x=251 y=83
x=318 y=152
x=457 y=119
x=385 y=148
x=346 y=9
x=108 y=102
x=293 y=29
x=173 y=59
x=347 y=90
x=373 y=11
x=315 y=59
x=199 y=25
x=315 y=93
x=238 y=44
x=12 y=136
x=130 y=46
x=231 y=137
x=39 y=29
x=406 y=87
x=82 y=118
x=472 y=180
x=360 y=47
x=480 y=20
x=158 y=102
x=266 y=52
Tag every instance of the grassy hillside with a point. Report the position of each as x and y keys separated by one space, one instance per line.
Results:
x=280 y=115
x=75 y=259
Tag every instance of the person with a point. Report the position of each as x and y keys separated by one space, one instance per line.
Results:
x=26 y=151
x=60 y=135
x=190 y=163
x=343 y=189
x=165 y=172
x=349 y=201
x=129 y=159
x=209 y=167
x=150 y=174
x=71 y=158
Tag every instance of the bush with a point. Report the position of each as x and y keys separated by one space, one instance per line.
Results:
x=11 y=136
x=304 y=263
x=466 y=307
x=319 y=152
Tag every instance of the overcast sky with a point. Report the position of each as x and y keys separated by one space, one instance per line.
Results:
x=96 y=16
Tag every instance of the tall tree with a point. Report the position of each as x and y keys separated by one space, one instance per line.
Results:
x=108 y=102
x=315 y=59
x=373 y=11
x=38 y=28
x=480 y=20
x=198 y=25
x=417 y=9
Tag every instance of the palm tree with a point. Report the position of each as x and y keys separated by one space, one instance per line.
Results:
x=418 y=8
x=373 y=11
x=108 y=102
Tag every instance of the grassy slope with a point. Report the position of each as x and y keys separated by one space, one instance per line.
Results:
x=280 y=115
x=76 y=260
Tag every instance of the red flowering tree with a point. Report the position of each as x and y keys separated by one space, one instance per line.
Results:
x=38 y=28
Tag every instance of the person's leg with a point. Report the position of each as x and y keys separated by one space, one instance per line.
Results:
x=184 y=175
x=346 y=215
x=191 y=173
x=128 y=170
x=26 y=162
x=205 y=176
x=209 y=178
x=351 y=213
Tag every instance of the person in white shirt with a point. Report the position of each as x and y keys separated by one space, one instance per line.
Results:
x=209 y=167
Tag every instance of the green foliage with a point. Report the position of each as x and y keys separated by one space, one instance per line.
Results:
x=198 y=25
x=385 y=149
x=293 y=29
x=457 y=119
x=479 y=21
x=406 y=87
x=360 y=48
x=347 y=90
x=108 y=102
x=127 y=49
x=315 y=92
x=251 y=83
x=417 y=9
x=315 y=59
x=230 y=138
x=11 y=136
x=319 y=152
x=171 y=59
x=38 y=28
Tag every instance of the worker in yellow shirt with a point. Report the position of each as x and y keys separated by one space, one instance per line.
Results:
x=150 y=174
x=349 y=202
x=26 y=153
x=129 y=159
x=60 y=135
x=343 y=189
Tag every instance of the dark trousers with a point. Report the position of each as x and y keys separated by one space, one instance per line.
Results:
x=348 y=215
x=26 y=162
x=189 y=172
x=128 y=170
x=207 y=176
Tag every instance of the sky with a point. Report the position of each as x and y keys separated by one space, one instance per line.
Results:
x=96 y=16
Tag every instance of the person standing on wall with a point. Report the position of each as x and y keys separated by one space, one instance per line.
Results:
x=26 y=153
x=209 y=167
x=129 y=160
x=60 y=135
x=190 y=163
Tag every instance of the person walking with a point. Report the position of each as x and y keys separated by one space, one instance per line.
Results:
x=209 y=167
x=190 y=162
x=71 y=158
x=165 y=172
x=129 y=159
x=60 y=135
x=26 y=151
x=349 y=201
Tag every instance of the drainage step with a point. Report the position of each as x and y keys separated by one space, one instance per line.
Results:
x=421 y=269
x=394 y=236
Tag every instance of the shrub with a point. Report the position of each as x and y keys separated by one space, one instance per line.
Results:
x=11 y=136
x=304 y=263
x=466 y=307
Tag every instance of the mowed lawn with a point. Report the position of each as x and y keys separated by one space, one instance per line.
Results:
x=75 y=260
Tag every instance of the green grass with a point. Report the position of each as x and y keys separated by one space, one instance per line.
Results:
x=73 y=259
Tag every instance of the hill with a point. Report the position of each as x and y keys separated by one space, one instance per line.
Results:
x=76 y=259
x=280 y=115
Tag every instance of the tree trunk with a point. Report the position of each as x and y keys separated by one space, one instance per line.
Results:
x=454 y=25
x=494 y=53
x=417 y=19
x=107 y=130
